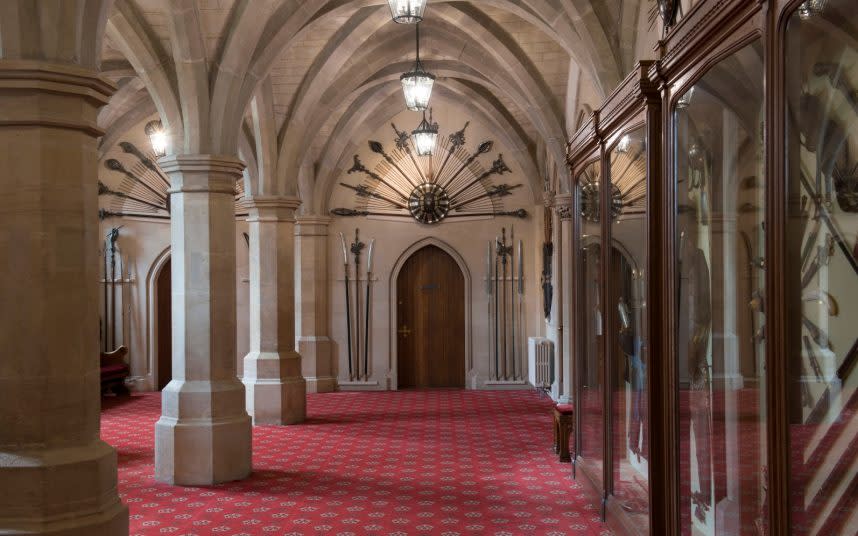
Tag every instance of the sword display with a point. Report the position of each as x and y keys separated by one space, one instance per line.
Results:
x=348 y=305
x=366 y=316
x=356 y=248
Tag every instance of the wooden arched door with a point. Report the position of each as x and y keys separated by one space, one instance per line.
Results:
x=430 y=321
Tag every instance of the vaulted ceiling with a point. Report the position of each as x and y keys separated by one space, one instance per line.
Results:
x=288 y=82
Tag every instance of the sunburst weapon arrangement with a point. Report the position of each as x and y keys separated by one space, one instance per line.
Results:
x=452 y=183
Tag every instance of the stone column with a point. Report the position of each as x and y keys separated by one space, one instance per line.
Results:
x=563 y=204
x=56 y=476
x=203 y=436
x=311 y=280
x=276 y=391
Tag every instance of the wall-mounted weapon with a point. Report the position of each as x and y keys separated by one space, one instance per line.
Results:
x=356 y=248
x=348 y=305
x=368 y=309
x=547 y=257
x=110 y=289
x=507 y=279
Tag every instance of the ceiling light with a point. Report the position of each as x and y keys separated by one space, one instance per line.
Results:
x=417 y=84
x=157 y=137
x=407 y=11
x=425 y=136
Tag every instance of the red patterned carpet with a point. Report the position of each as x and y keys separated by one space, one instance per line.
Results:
x=392 y=463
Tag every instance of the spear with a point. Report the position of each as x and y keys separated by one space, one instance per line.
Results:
x=366 y=316
x=348 y=304
x=489 y=287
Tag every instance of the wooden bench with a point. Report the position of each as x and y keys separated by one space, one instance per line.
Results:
x=114 y=370
x=564 y=424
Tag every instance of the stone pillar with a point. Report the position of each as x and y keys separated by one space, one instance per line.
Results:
x=563 y=204
x=276 y=391
x=311 y=280
x=56 y=476
x=203 y=435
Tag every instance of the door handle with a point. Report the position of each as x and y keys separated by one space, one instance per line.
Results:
x=404 y=331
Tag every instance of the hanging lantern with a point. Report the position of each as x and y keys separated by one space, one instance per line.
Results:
x=425 y=136
x=407 y=11
x=417 y=84
x=157 y=137
x=624 y=144
x=811 y=8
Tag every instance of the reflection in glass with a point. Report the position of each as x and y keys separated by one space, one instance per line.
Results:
x=720 y=191
x=592 y=371
x=626 y=345
x=821 y=59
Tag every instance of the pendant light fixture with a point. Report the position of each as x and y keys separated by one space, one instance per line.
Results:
x=157 y=137
x=425 y=136
x=407 y=11
x=417 y=84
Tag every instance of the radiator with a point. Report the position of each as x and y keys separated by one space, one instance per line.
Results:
x=540 y=357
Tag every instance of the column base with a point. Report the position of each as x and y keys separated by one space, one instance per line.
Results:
x=321 y=384
x=204 y=435
x=276 y=391
x=61 y=492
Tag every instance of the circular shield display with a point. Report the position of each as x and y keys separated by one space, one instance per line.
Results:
x=429 y=203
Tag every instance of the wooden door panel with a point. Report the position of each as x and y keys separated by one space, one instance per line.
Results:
x=431 y=321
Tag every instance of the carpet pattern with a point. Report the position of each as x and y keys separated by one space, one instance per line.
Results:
x=443 y=462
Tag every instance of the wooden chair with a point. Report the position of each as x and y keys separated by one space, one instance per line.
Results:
x=564 y=424
x=114 y=370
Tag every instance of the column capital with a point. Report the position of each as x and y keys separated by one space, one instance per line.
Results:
x=271 y=208
x=563 y=205
x=202 y=172
x=30 y=83
x=312 y=225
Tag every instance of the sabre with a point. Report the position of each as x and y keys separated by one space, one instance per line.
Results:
x=348 y=304
x=366 y=316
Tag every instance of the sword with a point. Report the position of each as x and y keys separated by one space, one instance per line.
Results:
x=366 y=316
x=348 y=305
x=497 y=325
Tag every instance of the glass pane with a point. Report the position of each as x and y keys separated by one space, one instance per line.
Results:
x=591 y=448
x=822 y=273
x=627 y=345
x=720 y=191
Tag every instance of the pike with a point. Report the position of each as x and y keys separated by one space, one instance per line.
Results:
x=512 y=296
x=112 y=236
x=502 y=251
x=348 y=305
x=366 y=316
x=497 y=300
x=521 y=284
x=357 y=247
x=489 y=287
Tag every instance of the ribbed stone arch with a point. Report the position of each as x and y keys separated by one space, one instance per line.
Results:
x=129 y=31
x=68 y=32
x=450 y=43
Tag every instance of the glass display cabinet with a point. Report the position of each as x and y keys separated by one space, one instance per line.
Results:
x=716 y=324
x=814 y=157
x=613 y=165
x=715 y=113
